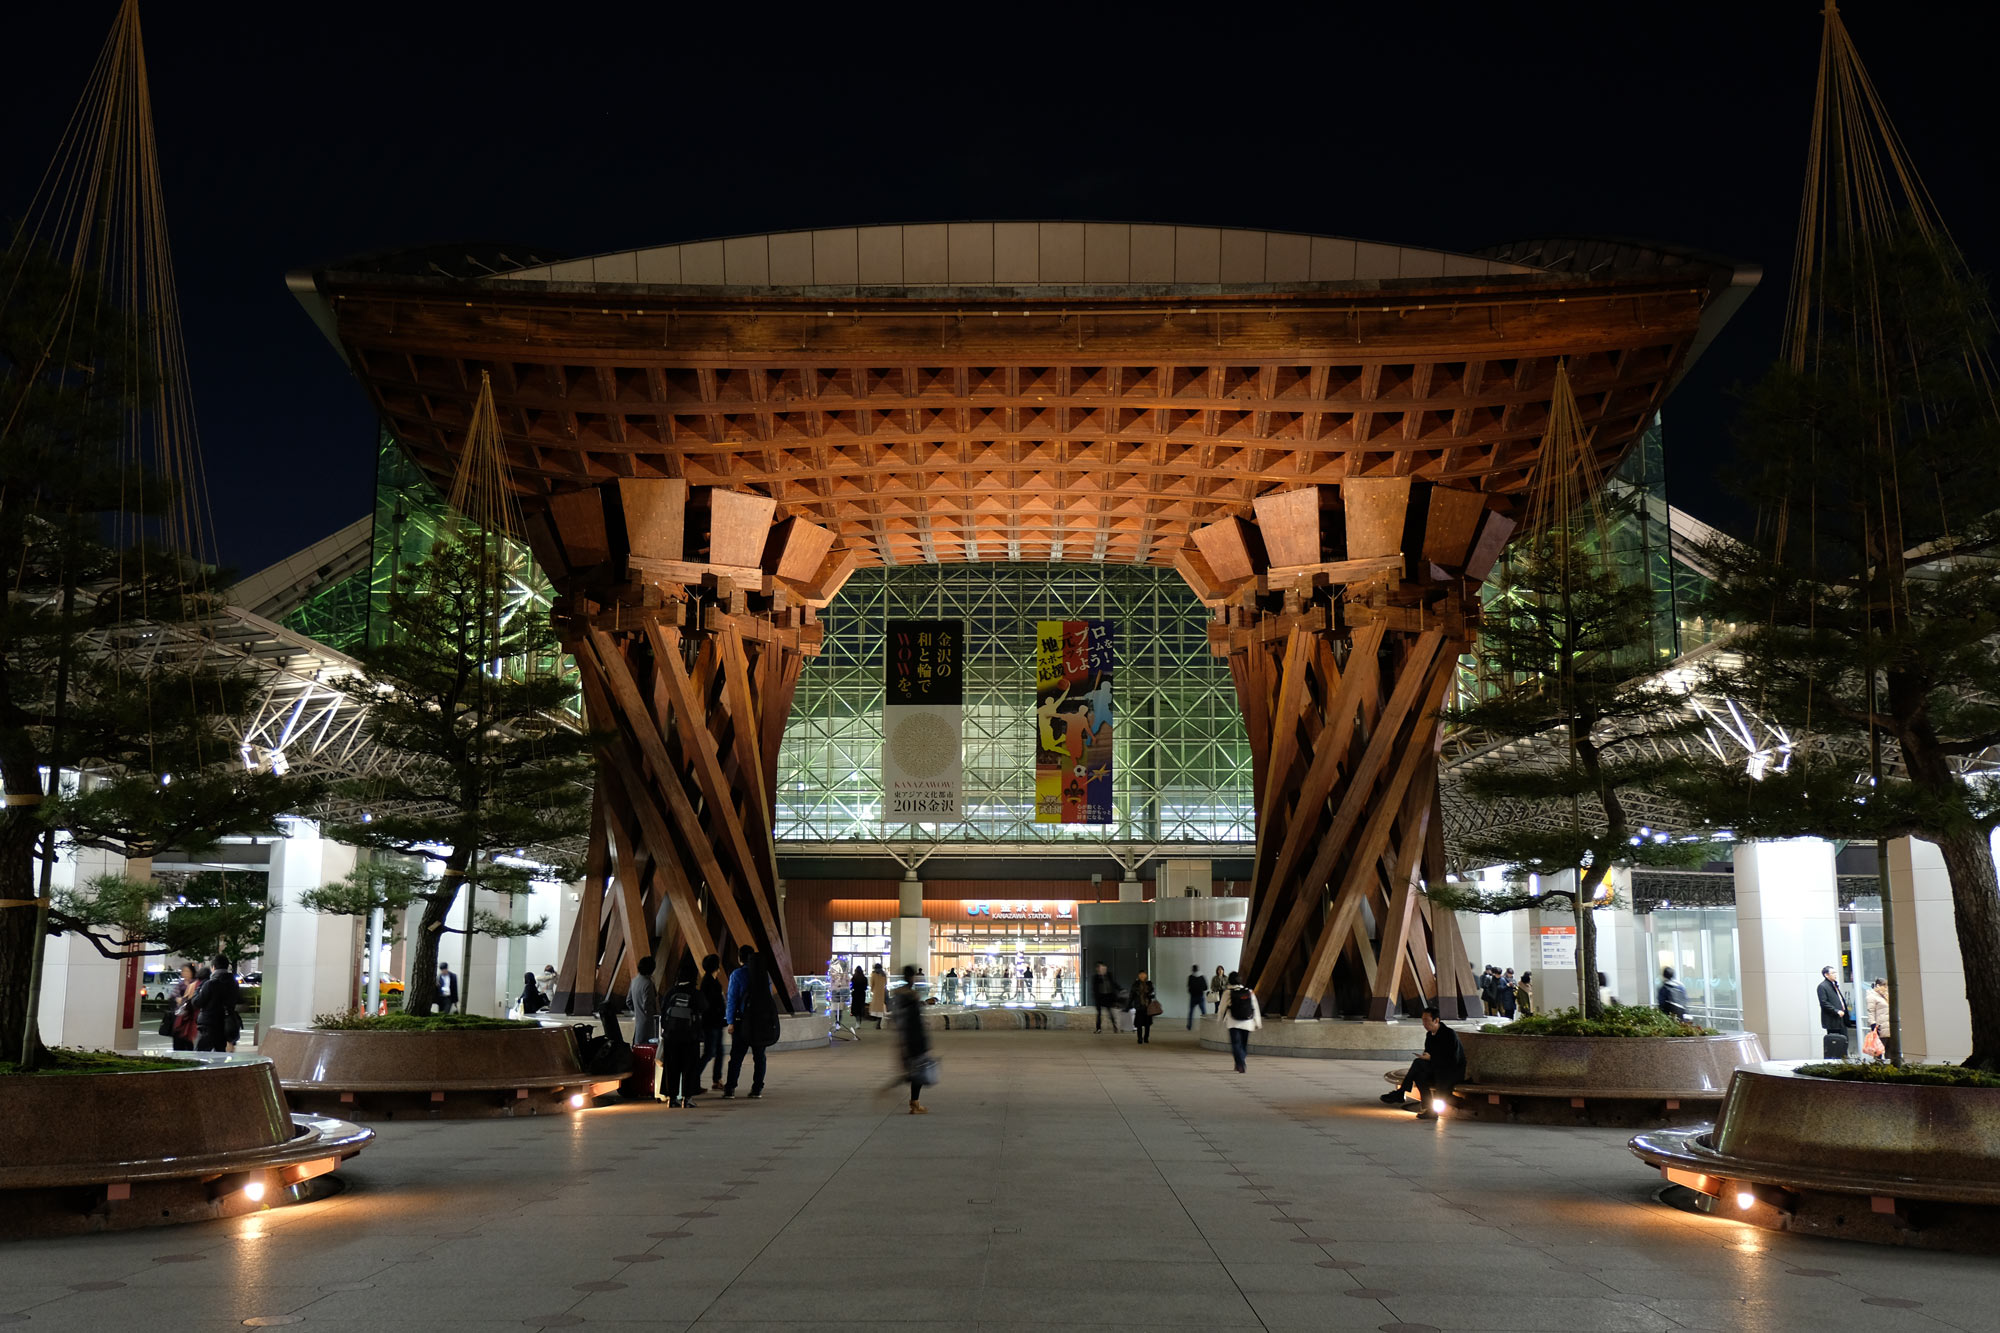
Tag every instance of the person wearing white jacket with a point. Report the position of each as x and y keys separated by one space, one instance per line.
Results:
x=1242 y=1015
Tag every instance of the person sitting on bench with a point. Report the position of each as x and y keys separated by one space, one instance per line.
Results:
x=1435 y=1072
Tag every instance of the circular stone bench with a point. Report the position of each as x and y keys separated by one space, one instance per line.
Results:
x=1893 y=1163
x=105 y=1152
x=465 y=1074
x=1614 y=1081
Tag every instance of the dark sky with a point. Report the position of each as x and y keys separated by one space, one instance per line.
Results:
x=291 y=135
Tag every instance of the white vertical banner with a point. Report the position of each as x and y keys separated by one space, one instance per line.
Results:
x=923 y=722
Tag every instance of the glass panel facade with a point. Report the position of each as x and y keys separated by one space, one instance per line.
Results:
x=1700 y=944
x=1181 y=758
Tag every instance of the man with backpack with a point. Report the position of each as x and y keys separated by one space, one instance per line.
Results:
x=751 y=1012
x=1672 y=997
x=678 y=1063
x=1241 y=1015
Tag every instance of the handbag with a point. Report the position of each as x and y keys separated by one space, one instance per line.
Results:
x=167 y=1022
x=1871 y=1045
x=924 y=1070
x=1153 y=1007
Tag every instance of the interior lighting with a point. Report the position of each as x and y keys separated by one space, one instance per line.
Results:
x=1744 y=1198
x=1437 y=1105
x=254 y=1191
x=576 y=1101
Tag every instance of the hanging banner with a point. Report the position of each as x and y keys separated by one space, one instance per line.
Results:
x=1074 y=660
x=923 y=722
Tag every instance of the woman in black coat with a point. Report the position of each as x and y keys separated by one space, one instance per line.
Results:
x=857 y=996
x=916 y=1042
x=1142 y=1008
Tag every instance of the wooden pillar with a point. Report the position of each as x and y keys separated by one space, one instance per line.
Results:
x=1343 y=612
x=689 y=616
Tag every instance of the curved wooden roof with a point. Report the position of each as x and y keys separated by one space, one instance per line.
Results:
x=980 y=412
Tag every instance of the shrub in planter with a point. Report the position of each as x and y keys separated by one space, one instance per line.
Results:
x=59 y=1061
x=358 y=1022
x=1619 y=1020
x=1936 y=1076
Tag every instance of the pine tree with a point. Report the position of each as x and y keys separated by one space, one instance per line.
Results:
x=482 y=761
x=1571 y=651
x=1869 y=608
x=100 y=673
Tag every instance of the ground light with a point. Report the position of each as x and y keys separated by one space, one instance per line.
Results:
x=1744 y=1198
x=1437 y=1104
x=576 y=1101
x=254 y=1191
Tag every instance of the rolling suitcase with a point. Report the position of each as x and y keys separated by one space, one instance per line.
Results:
x=638 y=1085
x=1835 y=1046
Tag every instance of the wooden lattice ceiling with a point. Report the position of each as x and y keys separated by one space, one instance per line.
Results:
x=1100 y=425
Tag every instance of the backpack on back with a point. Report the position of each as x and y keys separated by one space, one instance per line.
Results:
x=677 y=1013
x=1242 y=1007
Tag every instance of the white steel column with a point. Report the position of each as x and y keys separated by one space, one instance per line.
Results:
x=82 y=990
x=309 y=958
x=1936 y=1025
x=1788 y=925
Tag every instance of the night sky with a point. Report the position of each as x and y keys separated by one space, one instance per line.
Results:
x=294 y=135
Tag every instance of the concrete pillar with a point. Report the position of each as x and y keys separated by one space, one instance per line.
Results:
x=84 y=994
x=910 y=936
x=1202 y=933
x=1931 y=1012
x=310 y=959
x=1788 y=928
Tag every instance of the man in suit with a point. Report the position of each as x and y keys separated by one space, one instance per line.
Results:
x=447 y=989
x=1833 y=1013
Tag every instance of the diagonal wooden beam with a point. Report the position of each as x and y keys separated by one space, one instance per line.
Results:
x=1329 y=756
x=1435 y=675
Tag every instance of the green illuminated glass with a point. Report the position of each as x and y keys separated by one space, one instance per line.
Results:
x=1182 y=759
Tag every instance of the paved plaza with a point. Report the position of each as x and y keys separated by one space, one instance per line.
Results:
x=1063 y=1180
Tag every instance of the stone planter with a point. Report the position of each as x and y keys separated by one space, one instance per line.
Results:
x=1901 y=1164
x=102 y=1152
x=1317 y=1038
x=453 y=1074
x=1622 y=1081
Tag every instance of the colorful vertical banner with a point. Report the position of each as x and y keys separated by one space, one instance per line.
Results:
x=1074 y=660
x=923 y=722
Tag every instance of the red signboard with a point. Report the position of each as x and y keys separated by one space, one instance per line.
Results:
x=1198 y=930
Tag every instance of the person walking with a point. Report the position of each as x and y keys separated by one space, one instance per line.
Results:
x=1672 y=997
x=1242 y=1017
x=878 y=994
x=712 y=1008
x=180 y=1010
x=857 y=997
x=1104 y=994
x=532 y=1000
x=678 y=1063
x=1524 y=995
x=1062 y=992
x=919 y=1068
x=216 y=1020
x=1435 y=1071
x=644 y=998
x=1143 y=1004
x=1876 y=1044
x=751 y=1012
x=1834 y=1015
x=447 y=989
x=1197 y=990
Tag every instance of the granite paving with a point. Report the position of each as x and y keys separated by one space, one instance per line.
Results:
x=1063 y=1180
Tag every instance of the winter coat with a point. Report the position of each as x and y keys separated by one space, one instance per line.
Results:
x=1252 y=1023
